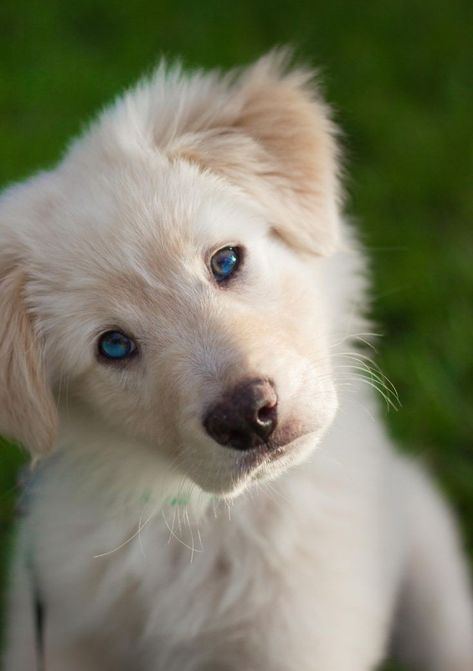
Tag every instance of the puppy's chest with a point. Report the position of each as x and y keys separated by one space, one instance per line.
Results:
x=181 y=582
x=179 y=562
x=171 y=576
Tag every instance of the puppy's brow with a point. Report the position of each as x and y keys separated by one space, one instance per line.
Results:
x=133 y=286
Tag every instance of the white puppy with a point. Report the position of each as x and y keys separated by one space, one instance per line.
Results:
x=180 y=301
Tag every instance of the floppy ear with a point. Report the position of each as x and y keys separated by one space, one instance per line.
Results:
x=27 y=408
x=274 y=137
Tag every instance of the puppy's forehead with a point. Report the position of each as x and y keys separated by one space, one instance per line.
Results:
x=143 y=215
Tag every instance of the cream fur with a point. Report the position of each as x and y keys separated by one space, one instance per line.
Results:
x=154 y=548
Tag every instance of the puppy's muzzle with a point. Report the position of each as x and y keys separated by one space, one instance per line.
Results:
x=246 y=416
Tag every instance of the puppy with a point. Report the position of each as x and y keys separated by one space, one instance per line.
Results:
x=180 y=304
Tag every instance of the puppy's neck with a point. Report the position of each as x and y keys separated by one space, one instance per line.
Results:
x=104 y=466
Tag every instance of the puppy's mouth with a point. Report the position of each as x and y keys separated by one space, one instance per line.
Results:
x=275 y=449
x=260 y=455
x=229 y=471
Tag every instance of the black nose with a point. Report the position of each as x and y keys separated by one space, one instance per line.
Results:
x=245 y=417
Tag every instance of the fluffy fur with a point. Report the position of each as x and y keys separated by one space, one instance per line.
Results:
x=153 y=547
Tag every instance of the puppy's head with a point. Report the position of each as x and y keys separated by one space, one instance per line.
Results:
x=165 y=279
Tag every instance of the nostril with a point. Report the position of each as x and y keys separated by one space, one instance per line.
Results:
x=266 y=414
x=265 y=420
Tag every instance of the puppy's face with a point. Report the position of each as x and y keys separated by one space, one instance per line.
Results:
x=177 y=306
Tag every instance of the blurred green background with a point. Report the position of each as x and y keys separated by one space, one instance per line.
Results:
x=399 y=77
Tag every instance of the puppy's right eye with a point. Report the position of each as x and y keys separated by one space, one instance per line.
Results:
x=116 y=346
x=225 y=263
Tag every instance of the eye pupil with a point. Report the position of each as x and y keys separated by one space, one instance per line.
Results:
x=116 y=345
x=225 y=262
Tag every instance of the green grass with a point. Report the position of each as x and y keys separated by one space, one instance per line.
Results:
x=398 y=75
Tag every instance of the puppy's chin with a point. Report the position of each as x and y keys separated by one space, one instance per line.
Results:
x=227 y=472
x=245 y=469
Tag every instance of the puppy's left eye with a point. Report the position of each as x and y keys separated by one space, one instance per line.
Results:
x=225 y=263
x=116 y=346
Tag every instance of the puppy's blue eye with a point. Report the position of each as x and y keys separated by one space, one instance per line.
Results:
x=116 y=345
x=225 y=263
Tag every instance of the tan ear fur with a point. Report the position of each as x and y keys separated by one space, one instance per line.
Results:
x=27 y=409
x=275 y=139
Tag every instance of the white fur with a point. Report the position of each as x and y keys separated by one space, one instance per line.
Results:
x=153 y=547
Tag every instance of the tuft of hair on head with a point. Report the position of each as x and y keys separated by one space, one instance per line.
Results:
x=265 y=128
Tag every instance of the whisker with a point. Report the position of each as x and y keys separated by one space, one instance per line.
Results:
x=129 y=540
x=179 y=540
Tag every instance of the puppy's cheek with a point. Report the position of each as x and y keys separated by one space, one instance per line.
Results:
x=307 y=394
x=327 y=404
x=118 y=405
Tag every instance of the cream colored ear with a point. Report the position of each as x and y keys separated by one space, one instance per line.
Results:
x=274 y=137
x=27 y=408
